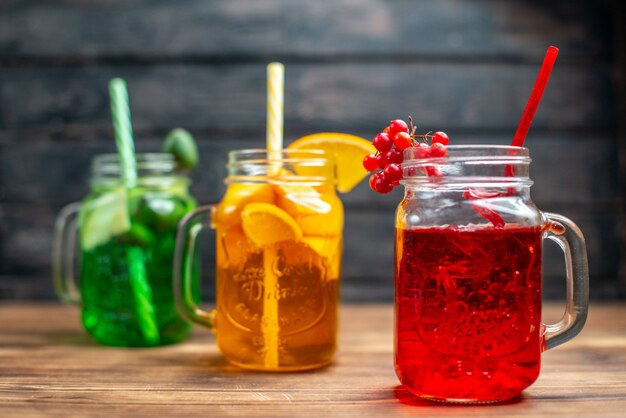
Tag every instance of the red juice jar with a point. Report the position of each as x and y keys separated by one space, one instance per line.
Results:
x=468 y=271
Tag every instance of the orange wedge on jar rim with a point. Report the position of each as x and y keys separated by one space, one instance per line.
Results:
x=348 y=151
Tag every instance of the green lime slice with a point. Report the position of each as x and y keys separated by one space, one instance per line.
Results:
x=181 y=144
x=103 y=218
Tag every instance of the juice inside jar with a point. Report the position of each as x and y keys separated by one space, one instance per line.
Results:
x=305 y=275
x=110 y=311
x=470 y=299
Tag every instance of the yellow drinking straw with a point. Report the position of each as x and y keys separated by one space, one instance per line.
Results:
x=275 y=105
x=274 y=139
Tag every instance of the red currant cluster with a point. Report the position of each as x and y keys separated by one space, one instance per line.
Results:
x=390 y=144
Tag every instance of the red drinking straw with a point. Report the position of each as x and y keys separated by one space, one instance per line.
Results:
x=522 y=131
x=535 y=96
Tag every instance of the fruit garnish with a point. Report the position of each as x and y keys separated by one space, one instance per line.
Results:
x=181 y=144
x=379 y=184
x=315 y=212
x=348 y=151
x=102 y=218
x=237 y=196
x=438 y=150
x=402 y=140
x=381 y=160
x=397 y=126
x=370 y=163
x=423 y=150
x=234 y=246
x=382 y=142
x=390 y=144
x=298 y=200
x=440 y=138
x=265 y=224
x=394 y=156
x=392 y=173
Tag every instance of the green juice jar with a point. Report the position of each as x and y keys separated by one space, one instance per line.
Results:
x=127 y=239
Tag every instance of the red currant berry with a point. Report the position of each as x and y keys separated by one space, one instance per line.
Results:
x=370 y=163
x=397 y=126
x=381 y=159
x=372 y=181
x=433 y=171
x=440 y=138
x=393 y=173
x=382 y=142
x=386 y=130
x=395 y=156
x=422 y=150
x=438 y=150
x=402 y=140
x=382 y=184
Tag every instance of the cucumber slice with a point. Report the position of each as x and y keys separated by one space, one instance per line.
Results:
x=103 y=218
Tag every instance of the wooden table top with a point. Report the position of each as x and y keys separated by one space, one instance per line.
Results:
x=49 y=367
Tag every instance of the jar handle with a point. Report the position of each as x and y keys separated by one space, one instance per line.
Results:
x=63 y=251
x=188 y=229
x=571 y=240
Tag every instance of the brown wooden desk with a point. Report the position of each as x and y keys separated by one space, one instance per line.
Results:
x=49 y=367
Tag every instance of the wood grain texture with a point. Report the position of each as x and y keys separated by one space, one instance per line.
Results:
x=619 y=22
x=566 y=170
x=49 y=367
x=249 y=28
x=464 y=66
x=329 y=96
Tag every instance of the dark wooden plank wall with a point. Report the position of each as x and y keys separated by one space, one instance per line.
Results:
x=466 y=67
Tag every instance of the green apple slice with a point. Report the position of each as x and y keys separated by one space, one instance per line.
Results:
x=103 y=218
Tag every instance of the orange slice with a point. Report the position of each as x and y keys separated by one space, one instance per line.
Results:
x=301 y=200
x=236 y=198
x=265 y=224
x=348 y=151
x=234 y=247
x=317 y=213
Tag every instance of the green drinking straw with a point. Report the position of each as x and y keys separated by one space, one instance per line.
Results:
x=142 y=292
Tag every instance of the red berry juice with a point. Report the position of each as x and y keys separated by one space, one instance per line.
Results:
x=468 y=311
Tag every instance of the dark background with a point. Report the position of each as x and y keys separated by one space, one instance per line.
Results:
x=463 y=66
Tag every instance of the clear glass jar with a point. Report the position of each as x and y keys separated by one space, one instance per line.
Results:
x=278 y=253
x=469 y=275
x=127 y=239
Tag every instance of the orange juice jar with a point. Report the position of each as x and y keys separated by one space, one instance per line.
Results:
x=279 y=241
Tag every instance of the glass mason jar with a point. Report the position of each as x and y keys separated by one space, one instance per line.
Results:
x=468 y=275
x=278 y=254
x=127 y=239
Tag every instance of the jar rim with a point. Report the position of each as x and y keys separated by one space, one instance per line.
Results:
x=144 y=157
x=474 y=152
x=467 y=165
x=156 y=169
x=262 y=154
x=109 y=164
x=310 y=166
